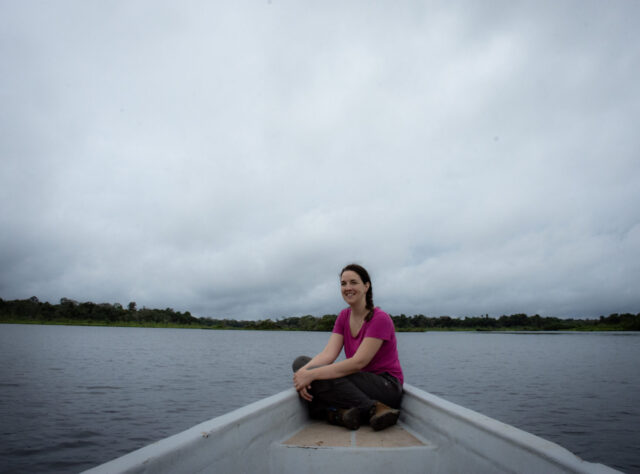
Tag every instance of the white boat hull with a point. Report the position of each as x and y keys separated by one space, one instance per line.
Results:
x=251 y=439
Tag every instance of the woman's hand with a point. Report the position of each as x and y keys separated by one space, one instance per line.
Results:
x=302 y=382
x=305 y=394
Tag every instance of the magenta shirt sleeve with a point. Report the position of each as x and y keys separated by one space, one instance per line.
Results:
x=380 y=328
x=338 y=327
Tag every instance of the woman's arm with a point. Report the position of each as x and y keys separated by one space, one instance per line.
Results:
x=330 y=352
x=369 y=347
x=328 y=355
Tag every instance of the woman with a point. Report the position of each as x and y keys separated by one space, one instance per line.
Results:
x=367 y=385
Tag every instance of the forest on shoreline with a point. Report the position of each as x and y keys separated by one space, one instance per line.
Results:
x=71 y=312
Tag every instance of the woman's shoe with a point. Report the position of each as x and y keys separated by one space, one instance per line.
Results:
x=383 y=416
x=347 y=417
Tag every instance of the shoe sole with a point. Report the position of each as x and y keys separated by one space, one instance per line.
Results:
x=384 y=420
x=351 y=419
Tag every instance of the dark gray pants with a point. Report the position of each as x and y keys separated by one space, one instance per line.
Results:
x=360 y=390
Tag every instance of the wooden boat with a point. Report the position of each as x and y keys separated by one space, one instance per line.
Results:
x=275 y=435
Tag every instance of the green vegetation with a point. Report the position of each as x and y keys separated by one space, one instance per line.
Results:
x=518 y=322
x=32 y=311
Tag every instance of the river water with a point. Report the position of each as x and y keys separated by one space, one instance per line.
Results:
x=74 y=397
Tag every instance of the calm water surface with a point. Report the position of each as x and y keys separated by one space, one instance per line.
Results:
x=73 y=397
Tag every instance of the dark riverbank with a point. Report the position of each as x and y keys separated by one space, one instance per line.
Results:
x=70 y=312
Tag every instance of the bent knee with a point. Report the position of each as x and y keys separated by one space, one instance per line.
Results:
x=300 y=362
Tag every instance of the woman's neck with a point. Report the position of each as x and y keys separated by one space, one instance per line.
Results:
x=359 y=310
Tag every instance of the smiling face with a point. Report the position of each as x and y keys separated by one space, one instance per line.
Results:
x=354 y=291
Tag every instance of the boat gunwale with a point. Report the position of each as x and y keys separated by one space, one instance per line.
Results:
x=138 y=460
x=536 y=445
x=282 y=414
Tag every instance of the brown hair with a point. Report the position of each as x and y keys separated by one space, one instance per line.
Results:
x=364 y=275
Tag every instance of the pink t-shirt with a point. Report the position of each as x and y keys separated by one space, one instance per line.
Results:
x=381 y=327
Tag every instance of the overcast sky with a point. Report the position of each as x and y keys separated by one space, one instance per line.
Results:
x=229 y=158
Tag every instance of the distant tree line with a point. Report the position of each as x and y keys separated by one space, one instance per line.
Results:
x=520 y=322
x=72 y=312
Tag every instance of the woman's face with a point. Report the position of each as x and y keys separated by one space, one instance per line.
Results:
x=353 y=290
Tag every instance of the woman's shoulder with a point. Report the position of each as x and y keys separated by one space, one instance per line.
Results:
x=381 y=316
x=378 y=312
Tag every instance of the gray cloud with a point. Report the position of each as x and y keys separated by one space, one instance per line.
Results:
x=230 y=159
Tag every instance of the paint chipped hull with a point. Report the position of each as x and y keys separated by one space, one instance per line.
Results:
x=274 y=435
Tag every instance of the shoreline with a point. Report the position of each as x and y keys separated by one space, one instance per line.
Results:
x=503 y=330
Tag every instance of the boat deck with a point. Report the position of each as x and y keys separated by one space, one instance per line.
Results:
x=321 y=447
x=274 y=435
x=321 y=434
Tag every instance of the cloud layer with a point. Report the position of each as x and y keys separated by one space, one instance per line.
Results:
x=230 y=159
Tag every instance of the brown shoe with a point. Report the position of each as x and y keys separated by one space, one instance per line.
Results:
x=383 y=416
x=347 y=417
